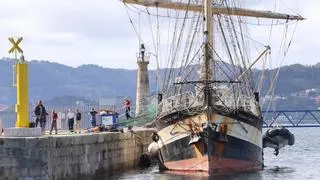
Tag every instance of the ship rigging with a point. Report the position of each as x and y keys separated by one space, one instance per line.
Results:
x=214 y=125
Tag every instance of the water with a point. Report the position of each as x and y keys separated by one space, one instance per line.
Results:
x=297 y=162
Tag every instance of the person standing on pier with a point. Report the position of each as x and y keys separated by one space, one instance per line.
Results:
x=54 y=117
x=127 y=105
x=93 y=114
x=41 y=113
x=70 y=117
x=78 y=121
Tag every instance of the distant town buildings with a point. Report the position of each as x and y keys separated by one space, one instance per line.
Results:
x=304 y=99
x=313 y=94
x=3 y=107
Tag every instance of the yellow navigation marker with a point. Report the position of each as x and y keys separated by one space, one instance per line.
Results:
x=15 y=47
x=21 y=73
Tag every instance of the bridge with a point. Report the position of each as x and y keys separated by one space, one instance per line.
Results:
x=291 y=118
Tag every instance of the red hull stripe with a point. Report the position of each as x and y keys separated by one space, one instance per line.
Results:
x=216 y=166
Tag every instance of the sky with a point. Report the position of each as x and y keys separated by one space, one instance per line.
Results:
x=76 y=32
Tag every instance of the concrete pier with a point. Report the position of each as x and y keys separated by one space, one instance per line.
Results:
x=22 y=132
x=79 y=156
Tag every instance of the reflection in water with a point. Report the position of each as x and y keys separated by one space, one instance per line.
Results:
x=277 y=169
x=153 y=173
x=241 y=176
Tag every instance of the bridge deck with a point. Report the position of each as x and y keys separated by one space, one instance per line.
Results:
x=291 y=118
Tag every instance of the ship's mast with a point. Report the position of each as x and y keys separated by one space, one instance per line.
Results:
x=206 y=64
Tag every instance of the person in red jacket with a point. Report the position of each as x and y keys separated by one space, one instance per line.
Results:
x=127 y=105
x=54 y=117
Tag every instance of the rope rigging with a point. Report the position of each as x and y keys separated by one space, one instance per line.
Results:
x=190 y=103
x=178 y=44
x=181 y=50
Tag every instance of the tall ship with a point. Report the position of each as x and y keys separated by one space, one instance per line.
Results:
x=208 y=116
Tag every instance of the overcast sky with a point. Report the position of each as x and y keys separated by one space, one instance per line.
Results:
x=76 y=32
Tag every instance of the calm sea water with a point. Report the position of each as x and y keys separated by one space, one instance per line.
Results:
x=298 y=162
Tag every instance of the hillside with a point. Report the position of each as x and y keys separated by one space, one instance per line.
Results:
x=50 y=81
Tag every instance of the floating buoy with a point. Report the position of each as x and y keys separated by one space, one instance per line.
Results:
x=153 y=149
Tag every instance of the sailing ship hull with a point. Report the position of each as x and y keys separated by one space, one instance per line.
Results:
x=215 y=153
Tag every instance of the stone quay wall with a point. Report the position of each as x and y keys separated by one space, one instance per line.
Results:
x=81 y=156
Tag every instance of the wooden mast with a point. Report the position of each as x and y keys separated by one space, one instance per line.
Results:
x=206 y=63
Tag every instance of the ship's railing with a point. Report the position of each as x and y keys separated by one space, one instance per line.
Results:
x=176 y=103
x=245 y=103
x=249 y=104
x=188 y=100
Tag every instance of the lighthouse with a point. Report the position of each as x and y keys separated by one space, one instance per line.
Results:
x=143 y=90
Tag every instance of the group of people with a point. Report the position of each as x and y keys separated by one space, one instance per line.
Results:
x=71 y=116
x=41 y=114
x=77 y=116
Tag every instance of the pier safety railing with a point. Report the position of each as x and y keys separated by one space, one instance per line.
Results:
x=8 y=116
x=284 y=118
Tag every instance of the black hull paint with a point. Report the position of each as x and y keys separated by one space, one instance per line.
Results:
x=235 y=149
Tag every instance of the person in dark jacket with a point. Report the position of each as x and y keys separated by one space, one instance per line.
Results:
x=41 y=113
x=78 y=121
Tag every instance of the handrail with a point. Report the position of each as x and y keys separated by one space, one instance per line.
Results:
x=184 y=101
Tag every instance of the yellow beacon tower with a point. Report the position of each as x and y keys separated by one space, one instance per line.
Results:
x=21 y=84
